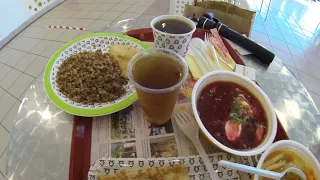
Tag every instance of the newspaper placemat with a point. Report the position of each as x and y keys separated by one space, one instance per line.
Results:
x=126 y=134
x=194 y=164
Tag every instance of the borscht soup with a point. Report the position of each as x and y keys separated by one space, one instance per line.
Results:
x=232 y=115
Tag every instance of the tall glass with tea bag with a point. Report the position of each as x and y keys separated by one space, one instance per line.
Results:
x=157 y=75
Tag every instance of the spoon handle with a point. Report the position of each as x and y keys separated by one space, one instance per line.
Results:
x=249 y=169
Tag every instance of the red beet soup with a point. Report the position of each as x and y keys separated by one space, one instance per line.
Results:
x=232 y=115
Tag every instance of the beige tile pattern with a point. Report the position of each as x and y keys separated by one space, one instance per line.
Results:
x=6 y=102
x=25 y=62
x=52 y=14
x=7 y=121
x=16 y=58
x=2 y=92
x=80 y=14
x=55 y=34
x=37 y=66
x=70 y=22
x=97 y=24
x=113 y=1
x=94 y=14
x=67 y=13
x=3 y=160
x=161 y=3
x=91 y=7
x=23 y=94
x=4 y=139
x=40 y=22
x=110 y=15
x=4 y=70
x=6 y=54
x=84 y=33
x=78 y=6
x=9 y=79
x=84 y=23
x=52 y=21
x=68 y=35
x=20 y=84
x=51 y=49
x=137 y=8
x=23 y=43
x=131 y=2
x=127 y=15
x=43 y=33
x=120 y=7
x=100 y=1
x=104 y=7
x=155 y=11
x=145 y=2
x=30 y=31
x=40 y=47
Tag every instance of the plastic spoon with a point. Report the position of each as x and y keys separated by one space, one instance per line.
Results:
x=201 y=55
x=201 y=46
x=261 y=172
x=193 y=52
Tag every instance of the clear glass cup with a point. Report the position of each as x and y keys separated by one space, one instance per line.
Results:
x=157 y=75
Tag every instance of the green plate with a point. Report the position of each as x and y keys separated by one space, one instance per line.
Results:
x=91 y=42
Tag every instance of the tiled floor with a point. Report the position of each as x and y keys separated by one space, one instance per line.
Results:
x=290 y=31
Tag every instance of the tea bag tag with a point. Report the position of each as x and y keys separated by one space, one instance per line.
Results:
x=246 y=71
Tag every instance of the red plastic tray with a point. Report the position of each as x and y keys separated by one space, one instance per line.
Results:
x=82 y=126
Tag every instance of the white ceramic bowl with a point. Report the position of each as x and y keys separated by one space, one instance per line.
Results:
x=227 y=76
x=299 y=149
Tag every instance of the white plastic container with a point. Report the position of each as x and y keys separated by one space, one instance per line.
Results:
x=297 y=148
x=227 y=76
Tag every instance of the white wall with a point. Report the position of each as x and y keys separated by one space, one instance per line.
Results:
x=15 y=15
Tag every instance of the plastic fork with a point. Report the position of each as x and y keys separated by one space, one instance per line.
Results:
x=211 y=48
x=207 y=36
x=190 y=128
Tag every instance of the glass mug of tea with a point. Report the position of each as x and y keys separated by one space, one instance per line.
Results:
x=157 y=75
x=173 y=32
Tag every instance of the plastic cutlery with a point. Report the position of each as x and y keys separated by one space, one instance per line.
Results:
x=198 y=58
x=211 y=48
x=202 y=48
x=261 y=172
x=207 y=37
x=202 y=57
x=190 y=128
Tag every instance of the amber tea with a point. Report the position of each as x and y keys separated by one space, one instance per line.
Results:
x=173 y=26
x=158 y=78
